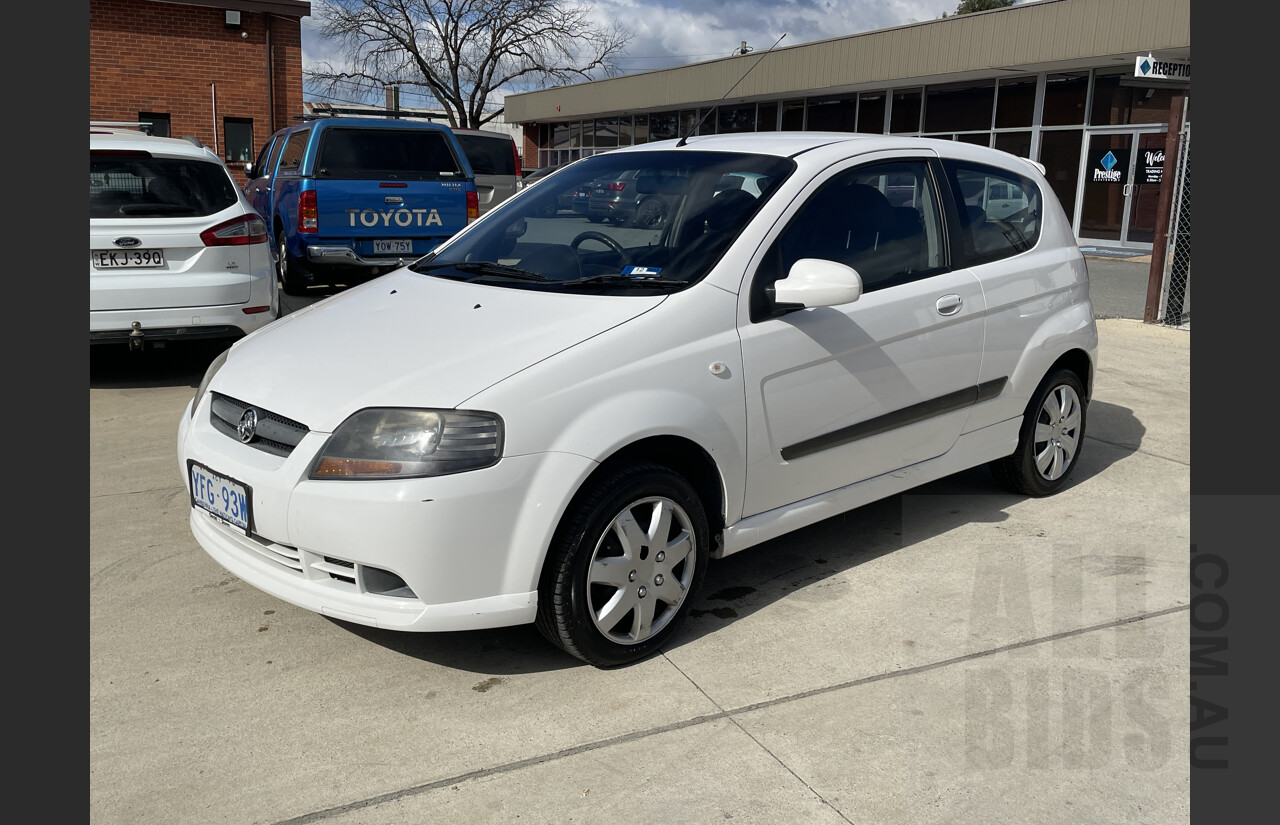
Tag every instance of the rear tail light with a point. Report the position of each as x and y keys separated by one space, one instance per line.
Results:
x=240 y=231
x=516 y=153
x=617 y=187
x=308 y=212
x=473 y=206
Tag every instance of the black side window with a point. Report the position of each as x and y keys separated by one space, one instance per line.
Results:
x=998 y=210
x=260 y=165
x=882 y=220
x=487 y=155
x=294 y=147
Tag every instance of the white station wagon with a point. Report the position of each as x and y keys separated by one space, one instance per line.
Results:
x=553 y=421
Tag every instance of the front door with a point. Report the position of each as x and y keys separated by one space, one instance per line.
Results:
x=1120 y=182
x=840 y=394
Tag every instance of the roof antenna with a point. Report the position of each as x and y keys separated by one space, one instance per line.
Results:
x=685 y=139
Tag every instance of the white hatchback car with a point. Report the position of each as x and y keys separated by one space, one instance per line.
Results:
x=175 y=250
x=553 y=421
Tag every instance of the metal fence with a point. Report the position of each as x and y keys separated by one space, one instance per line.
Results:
x=1175 y=294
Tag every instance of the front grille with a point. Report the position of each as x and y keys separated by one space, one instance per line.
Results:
x=274 y=434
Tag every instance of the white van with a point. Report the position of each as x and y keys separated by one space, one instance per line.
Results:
x=496 y=162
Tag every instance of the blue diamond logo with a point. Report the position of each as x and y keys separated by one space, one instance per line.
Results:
x=1145 y=66
x=1108 y=161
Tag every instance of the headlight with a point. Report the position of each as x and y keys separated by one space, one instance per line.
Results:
x=208 y=378
x=402 y=443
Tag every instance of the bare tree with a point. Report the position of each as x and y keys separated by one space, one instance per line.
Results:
x=461 y=51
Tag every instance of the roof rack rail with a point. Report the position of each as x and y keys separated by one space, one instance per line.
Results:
x=121 y=124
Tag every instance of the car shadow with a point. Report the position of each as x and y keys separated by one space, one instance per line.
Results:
x=183 y=364
x=737 y=586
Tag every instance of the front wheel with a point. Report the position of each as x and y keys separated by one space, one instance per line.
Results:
x=624 y=565
x=1050 y=441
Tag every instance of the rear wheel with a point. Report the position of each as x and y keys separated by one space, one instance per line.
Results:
x=1050 y=441
x=291 y=280
x=650 y=214
x=624 y=565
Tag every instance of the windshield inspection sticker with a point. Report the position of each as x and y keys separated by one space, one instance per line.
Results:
x=640 y=271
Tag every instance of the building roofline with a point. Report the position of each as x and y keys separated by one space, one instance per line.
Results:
x=284 y=8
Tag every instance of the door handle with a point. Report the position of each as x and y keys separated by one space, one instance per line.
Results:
x=949 y=304
x=1128 y=187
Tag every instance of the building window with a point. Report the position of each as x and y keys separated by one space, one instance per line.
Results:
x=237 y=135
x=1064 y=97
x=792 y=115
x=1015 y=102
x=767 y=119
x=871 y=113
x=833 y=114
x=663 y=126
x=737 y=119
x=959 y=107
x=159 y=123
x=905 y=117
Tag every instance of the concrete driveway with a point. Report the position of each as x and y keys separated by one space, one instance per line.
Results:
x=953 y=655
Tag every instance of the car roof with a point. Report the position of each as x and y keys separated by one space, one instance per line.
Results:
x=103 y=137
x=830 y=144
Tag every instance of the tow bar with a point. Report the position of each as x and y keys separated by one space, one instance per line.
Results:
x=135 y=337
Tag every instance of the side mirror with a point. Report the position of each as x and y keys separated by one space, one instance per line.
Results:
x=815 y=282
x=248 y=169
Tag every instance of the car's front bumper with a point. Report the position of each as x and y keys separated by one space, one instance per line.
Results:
x=467 y=548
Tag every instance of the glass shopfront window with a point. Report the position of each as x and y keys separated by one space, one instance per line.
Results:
x=1064 y=98
x=1015 y=102
x=871 y=112
x=959 y=106
x=737 y=118
x=792 y=115
x=905 y=115
x=833 y=114
x=767 y=117
x=1060 y=155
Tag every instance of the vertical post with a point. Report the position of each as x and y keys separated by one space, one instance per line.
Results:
x=1160 y=244
x=393 y=101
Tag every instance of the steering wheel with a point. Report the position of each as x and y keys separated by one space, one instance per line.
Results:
x=591 y=235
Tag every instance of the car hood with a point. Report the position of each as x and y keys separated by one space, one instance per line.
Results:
x=409 y=340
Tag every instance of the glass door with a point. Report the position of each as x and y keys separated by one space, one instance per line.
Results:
x=1120 y=187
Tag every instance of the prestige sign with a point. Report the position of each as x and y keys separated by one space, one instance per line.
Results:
x=1150 y=68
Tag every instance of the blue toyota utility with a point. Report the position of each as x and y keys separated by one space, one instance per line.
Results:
x=347 y=199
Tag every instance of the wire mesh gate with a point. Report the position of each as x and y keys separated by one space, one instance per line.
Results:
x=1175 y=294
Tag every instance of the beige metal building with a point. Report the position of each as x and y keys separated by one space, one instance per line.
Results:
x=1097 y=91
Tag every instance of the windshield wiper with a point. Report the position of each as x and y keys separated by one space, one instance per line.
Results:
x=484 y=268
x=625 y=280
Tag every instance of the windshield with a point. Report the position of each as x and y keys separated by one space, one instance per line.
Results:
x=620 y=221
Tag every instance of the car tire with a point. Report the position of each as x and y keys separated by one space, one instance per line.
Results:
x=1050 y=440
x=650 y=214
x=608 y=595
x=291 y=280
x=595 y=218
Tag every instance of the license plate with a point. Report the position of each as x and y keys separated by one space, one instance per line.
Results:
x=393 y=247
x=126 y=258
x=225 y=498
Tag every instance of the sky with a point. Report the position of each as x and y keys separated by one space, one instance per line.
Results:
x=677 y=32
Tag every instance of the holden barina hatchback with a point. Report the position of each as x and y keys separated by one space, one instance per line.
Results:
x=175 y=250
x=553 y=421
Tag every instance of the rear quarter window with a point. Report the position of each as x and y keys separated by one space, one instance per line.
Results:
x=402 y=154
x=488 y=155
x=149 y=187
x=999 y=210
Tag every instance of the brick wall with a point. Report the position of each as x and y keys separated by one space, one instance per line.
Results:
x=182 y=60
